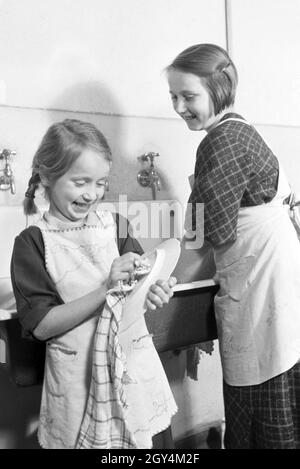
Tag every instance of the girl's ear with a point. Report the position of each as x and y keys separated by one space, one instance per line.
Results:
x=44 y=181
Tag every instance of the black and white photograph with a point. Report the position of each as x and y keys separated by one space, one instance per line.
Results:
x=149 y=227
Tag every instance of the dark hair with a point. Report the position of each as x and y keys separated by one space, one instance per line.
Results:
x=213 y=65
x=60 y=147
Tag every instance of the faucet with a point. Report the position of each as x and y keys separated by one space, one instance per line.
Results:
x=153 y=174
x=149 y=177
x=7 y=180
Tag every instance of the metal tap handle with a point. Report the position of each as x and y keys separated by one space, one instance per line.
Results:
x=8 y=170
x=12 y=185
x=148 y=156
x=6 y=154
x=7 y=180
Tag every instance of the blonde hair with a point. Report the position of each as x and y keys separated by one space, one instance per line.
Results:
x=60 y=147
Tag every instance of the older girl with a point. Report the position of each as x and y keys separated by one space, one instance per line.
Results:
x=256 y=251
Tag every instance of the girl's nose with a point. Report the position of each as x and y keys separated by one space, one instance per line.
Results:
x=89 y=196
x=180 y=106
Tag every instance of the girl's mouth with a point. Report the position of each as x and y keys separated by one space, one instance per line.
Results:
x=189 y=118
x=82 y=205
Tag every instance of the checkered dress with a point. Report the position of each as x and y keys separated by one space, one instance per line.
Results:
x=234 y=168
x=265 y=416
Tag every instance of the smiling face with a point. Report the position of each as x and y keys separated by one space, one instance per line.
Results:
x=191 y=100
x=74 y=194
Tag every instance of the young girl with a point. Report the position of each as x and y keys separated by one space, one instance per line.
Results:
x=256 y=251
x=62 y=268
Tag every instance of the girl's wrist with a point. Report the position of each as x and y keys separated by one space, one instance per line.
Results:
x=108 y=284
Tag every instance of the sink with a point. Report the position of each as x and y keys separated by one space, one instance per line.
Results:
x=21 y=359
x=188 y=319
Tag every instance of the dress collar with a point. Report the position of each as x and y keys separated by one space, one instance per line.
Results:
x=231 y=115
x=58 y=224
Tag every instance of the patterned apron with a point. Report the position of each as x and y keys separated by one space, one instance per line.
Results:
x=97 y=406
x=258 y=304
x=78 y=260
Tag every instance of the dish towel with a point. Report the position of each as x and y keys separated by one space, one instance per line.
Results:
x=104 y=424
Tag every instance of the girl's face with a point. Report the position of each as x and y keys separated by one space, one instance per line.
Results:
x=191 y=100
x=74 y=194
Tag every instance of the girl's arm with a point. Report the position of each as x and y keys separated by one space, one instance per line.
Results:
x=41 y=310
x=64 y=317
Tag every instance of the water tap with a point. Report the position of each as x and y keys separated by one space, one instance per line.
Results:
x=6 y=178
x=149 y=177
x=154 y=179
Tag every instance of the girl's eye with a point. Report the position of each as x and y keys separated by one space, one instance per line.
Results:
x=101 y=184
x=189 y=97
x=79 y=183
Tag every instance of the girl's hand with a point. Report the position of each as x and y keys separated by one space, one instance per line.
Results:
x=160 y=293
x=122 y=267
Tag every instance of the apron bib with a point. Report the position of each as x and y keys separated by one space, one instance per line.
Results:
x=258 y=304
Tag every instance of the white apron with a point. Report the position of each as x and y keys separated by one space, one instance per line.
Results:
x=258 y=304
x=78 y=260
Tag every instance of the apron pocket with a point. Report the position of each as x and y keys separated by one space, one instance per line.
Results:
x=234 y=326
x=235 y=278
x=140 y=359
x=144 y=342
x=60 y=365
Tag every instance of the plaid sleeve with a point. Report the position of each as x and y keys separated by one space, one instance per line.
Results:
x=221 y=176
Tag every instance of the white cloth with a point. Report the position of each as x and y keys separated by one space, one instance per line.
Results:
x=258 y=304
x=128 y=378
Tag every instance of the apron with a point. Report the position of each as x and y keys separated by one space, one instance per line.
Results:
x=257 y=307
x=78 y=260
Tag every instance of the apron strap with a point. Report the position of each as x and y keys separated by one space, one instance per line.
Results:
x=293 y=199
